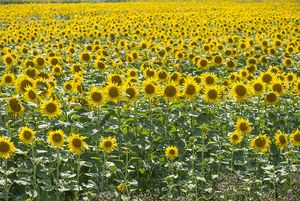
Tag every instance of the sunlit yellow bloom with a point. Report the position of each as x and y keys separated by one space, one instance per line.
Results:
x=77 y=144
x=108 y=144
x=7 y=148
x=171 y=152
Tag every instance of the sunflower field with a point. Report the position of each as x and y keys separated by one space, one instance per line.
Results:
x=194 y=100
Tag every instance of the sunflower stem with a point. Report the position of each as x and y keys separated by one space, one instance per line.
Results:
x=103 y=170
x=232 y=159
x=126 y=172
x=170 y=184
x=135 y=119
x=119 y=120
x=6 y=187
x=77 y=179
x=34 y=165
x=194 y=172
x=57 y=174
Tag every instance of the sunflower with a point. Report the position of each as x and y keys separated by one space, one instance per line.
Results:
x=8 y=60
x=240 y=91
x=171 y=152
x=281 y=140
x=14 y=106
x=26 y=135
x=22 y=82
x=53 y=61
x=261 y=143
x=7 y=148
x=77 y=144
x=108 y=144
x=212 y=94
x=290 y=77
x=148 y=73
x=272 y=98
x=218 y=60
x=68 y=86
x=131 y=92
x=85 y=56
x=230 y=65
x=113 y=92
x=243 y=126
x=209 y=78
x=132 y=73
x=8 y=79
x=150 y=88
x=190 y=88
x=39 y=61
x=277 y=86
x=175 y=76
x=287 y=62
x=170 y=91
x=50 y=108
x=56 y=138
x=57 y=70
x=295 y=137
x=76 y=69
x=95 y=97
x=31 y=95
x=267 y=77
x=162 y=75
x=115 y=79
x=100 y=65
x=44 y=87
x=235 y=138
x=258 y=87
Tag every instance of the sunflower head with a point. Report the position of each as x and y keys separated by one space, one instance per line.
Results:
x=96 y=97
x=26 y=135
x=8 y=60
x=131 y=92
x=295 y=138
x=281 y=140
x=7 y=148
x=108 y=144
x=113 y=92
x=85 y=56
x=267 y=77
x=258 y=87
x=171 y=152
x=14 y=106
x=261 y=143
x=243 y=126
x=77 y=144
x=8 y=79
x=170 y=92
x=56 y=138
x=115 y=79
x=162 y=75
x=212 y=94
x=31 y=95
x=240 y=91
x=50 y=108
x=190 y=89
x=235 y=138
x=272 y=98
x=150 y=88
x=209 y=79
x=22 y=82
x=277 y=86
